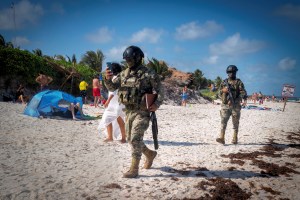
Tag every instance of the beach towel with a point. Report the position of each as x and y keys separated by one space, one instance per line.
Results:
x=251 y=107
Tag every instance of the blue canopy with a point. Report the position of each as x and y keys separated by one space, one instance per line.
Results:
x=41 y=103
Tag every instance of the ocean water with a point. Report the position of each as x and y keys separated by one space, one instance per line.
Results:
x=294 y=99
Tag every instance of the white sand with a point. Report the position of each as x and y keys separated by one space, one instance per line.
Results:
x=65 y=159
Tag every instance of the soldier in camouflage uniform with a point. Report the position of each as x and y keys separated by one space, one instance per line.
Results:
x=133 y=83
x=231 y=107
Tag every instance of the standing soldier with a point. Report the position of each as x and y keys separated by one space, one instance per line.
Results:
x=133 y=83
x=231 y=92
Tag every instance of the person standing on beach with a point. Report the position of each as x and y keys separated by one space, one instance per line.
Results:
x=231 y=103
x=44 y=81
x=82 y=87
x=96 y=91
x=113 y=117
x=260 y=98
x=184 y=96
x=133 y=83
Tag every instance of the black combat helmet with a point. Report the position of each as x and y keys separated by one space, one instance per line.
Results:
x=231 y=69
x=133 y=52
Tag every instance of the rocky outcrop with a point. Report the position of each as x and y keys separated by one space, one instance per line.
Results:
x=179 y=78
x=173 y=86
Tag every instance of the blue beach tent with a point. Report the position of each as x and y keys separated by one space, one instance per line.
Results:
x=42 y=102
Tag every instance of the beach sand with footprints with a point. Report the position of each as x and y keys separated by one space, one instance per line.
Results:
x=66 y=159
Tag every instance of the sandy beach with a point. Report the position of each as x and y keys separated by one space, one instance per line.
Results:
x=66 y=159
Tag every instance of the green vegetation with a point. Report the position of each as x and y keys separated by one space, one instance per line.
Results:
x=208 y=94
x=93 y=59
x=160 y=67
x=24 y=66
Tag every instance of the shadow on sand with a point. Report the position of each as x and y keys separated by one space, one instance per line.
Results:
x=204 y=173
x=171 y=143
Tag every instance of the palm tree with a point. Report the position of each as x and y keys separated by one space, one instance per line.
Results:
x=93 y=59
x=9 y=45
x=218 y=81
x=60 y=57
x=5 y=44
x=38 y=52
x=2 y=41
x=198 y=79
x=160 y=67
x=74 y=61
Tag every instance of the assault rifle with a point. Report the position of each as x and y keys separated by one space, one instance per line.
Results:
x=150 y=98
x=154 y=129
x=231 y=99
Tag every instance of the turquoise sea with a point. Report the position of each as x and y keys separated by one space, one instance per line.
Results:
x=294 y=99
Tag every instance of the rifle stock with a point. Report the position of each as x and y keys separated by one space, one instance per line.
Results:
x=154 y=129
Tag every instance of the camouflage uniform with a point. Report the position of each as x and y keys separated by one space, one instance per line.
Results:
x=231 y=109
x=132 y=85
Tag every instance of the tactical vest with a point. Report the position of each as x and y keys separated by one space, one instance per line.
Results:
x=133 y=87
x=235 y=91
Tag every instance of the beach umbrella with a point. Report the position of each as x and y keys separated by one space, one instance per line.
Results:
x=42 y=102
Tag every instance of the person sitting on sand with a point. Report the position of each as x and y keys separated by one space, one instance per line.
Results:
x=68 y=112
x=113 y=117
x=44 y=81
x=20 y=94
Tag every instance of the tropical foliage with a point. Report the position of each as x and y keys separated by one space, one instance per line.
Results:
x=4 y=44
x=16 y=62
x=218 y=82
x=26 y=65
x=160 y=67
x=38 y=52
x=93 y=59
x=199 y=81
x=208 y=94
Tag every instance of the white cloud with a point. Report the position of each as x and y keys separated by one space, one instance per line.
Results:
x=102 y=35
x=287 y=63
x=235 y=45
x=20 y=41
x=115 y=53
x=147 y=35
x=289 y=10
x=193 y=30
x=25 y=13
x=211 y=60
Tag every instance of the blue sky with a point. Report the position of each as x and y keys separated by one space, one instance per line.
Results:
x=262 y=38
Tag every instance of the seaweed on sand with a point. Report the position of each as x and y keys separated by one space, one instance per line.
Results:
x=220 y=188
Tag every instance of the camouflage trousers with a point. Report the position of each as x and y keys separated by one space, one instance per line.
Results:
x=226 y=112
x=137 y=122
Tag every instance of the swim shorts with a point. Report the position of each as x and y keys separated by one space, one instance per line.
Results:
x=96 y=92
x=83 y=93
x=184 y=96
